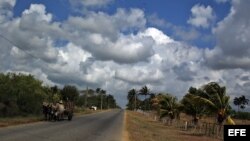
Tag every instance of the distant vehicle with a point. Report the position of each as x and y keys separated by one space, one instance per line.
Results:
x=93 y=108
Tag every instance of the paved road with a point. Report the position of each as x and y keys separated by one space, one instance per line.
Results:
x=106 y=126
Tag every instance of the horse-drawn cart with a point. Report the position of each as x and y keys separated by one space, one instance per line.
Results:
x=58 y=111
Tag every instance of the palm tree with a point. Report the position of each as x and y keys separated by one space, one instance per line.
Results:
x=132 y=97
x=144 y=91
x=244 y=102
x=214 y=96
x=241 y=102
x=237 y=102
x=169 y=107
x=193 y=107
x=98 y=90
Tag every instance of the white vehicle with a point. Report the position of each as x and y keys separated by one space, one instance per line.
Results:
x=93 y=108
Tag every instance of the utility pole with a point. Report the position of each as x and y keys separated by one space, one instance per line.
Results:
x=101 y=100
x=102 y=92
x=135 y=102
x=86 y=95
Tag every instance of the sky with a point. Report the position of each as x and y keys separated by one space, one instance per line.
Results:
x=118 y=45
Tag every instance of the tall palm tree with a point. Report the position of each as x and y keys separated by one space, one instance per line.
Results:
x=214 y=96
x=132 y=97
x=98 y=90
x=193 y=107
x=241 y=102
x=169 y=107
x=156 y=102
x=237 y=102
x=144 y=91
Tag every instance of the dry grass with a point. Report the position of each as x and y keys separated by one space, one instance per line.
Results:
x=4 y=122
x=141 y=128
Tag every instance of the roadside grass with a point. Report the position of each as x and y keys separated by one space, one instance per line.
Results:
x=142 y=128
x=10 y=121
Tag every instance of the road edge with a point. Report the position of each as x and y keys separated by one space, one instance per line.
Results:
x=125 y=136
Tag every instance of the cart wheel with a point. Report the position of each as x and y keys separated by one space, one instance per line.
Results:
x=70 y=115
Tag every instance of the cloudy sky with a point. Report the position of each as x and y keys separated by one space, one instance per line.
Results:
x=122 y=44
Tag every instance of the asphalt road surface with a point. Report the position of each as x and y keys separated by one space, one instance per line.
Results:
x=105 y=126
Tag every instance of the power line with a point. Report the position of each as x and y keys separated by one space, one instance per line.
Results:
x=14 y=44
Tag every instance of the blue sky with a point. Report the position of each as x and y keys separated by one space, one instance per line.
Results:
x=123 y=44
x=174 y=12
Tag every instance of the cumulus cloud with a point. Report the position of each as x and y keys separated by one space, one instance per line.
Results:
x=102 y=35
x=233 y=39
x=6 y=7
x=186 y=34
x=118 y=51
x=140 y=75
x=107 y=25
x=202 y=16
x=155 y=20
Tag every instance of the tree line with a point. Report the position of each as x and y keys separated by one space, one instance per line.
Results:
x=23 y=95
x=208 y=100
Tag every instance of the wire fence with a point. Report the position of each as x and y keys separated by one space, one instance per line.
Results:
x=212 y=130
x=203 y=128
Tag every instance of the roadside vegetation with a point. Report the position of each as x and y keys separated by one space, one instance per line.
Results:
x=206 y=109
x=21 y=98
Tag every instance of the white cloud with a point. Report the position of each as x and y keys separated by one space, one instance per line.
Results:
x=107 y=25
x=140 y=76
x=118 y=52
x=39 y=12
x=158 y=36
x=201 y=16
x=233 y=39
x=6 y=7
x=103 y=35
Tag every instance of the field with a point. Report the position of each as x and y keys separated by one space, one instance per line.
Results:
x=143 y=128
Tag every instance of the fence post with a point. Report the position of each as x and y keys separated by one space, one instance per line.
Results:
x=205 y=128
x=213 y=133
x=186 y=125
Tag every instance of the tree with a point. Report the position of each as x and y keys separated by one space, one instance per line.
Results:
x=237 y=102
x=214 y=96
x=193 y=107
x=20 y=94
x=132 y=98
x=70 y=92
x=241 y=102
x=144 y=91
x=169 y=107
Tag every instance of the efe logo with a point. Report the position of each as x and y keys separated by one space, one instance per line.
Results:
x=241 y=132
x=236 y=132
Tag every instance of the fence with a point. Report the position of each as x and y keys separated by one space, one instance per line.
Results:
x=201 y=128
x=208 y=129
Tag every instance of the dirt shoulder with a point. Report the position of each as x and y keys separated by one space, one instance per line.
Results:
x=125 y=136
x=5 y=122
x=142 y=128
